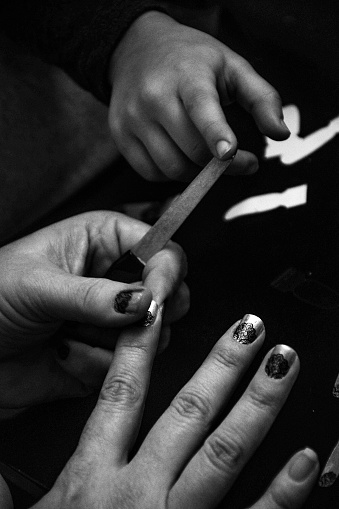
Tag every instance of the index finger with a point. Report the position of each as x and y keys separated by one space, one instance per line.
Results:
x=116 y=418
x=202 y=103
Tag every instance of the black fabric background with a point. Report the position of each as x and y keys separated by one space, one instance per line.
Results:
x=231 y=266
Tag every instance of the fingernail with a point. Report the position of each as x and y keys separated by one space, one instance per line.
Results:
x=280 y=361
x=63 y=351
x=303 y=464
x=327 y=479
x=127 y=301
x=248 y=330
x=222 y=147
x=150 y=316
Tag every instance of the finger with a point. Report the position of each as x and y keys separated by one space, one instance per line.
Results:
x=260 y=99
x=244 y=163
x=183 y=427
x=177 y=305
x=135 y=152
x=87 y=364
x=6 y=501
x=293 y=484
x=117 y=415
x=166 y=154
x=164 y=272
x=214 y=468
x=181 y=129
x=90 y=300
x=201 y=101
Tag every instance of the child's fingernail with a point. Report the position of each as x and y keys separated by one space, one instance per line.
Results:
x=303 y=465
x=280 y=361
x=127 y=301
x=222 y=148
x=248 y=330
x=63 y=351
x=150 y=316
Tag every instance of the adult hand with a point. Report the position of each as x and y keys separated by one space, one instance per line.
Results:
x=56 y=275
x=182 y=463
x=170 y=85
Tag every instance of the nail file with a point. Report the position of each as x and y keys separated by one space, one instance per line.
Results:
x=128 y=268
x=331 y=469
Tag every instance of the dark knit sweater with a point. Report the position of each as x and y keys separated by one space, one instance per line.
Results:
x=76 y=35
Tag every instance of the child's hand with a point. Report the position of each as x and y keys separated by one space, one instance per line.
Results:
x=170 y=84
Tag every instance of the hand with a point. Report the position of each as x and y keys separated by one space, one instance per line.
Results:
x=170 y=84
x=181 y=462
x=55 y=275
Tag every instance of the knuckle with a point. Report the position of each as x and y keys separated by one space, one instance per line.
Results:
x=262 y=401
x=122 y=391
x=152 y=90
x=226 y=359
x=189 y=405
x=90 y=294
x=224 y=452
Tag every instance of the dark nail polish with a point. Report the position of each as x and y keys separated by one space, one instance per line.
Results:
x=127 y=301
x=327 y=479
x=63 y=351
x=280 y=361
x=248 y=330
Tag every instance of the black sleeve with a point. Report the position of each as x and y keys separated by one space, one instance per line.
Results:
x=76 y=35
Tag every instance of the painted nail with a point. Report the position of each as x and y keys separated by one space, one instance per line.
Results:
x=330 y=472
x=222 y=147
x=63 y=351
x=327 y=479
x=150 y=316
x=280 y=361
x=303 y=464
x=127 y=301
x=248 y=330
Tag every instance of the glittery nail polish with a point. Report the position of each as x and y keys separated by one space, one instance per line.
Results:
x=248 y=330
x=327 y=479
x=280 y=361
x=127 y=301
x=150 y=316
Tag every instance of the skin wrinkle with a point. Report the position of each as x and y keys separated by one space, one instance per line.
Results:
x=189 y=405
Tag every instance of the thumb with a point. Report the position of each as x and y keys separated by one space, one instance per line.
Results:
x=97 y=301
x=293 y=484
x=6 y=501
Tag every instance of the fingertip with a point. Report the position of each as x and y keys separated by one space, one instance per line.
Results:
x=303 y=464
